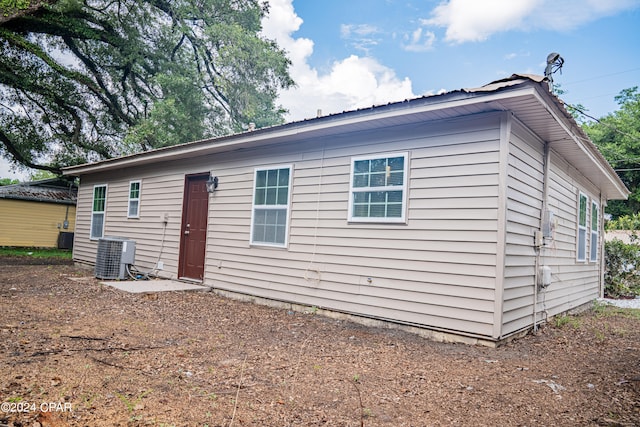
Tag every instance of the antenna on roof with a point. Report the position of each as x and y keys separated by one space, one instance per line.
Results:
x=554 y=63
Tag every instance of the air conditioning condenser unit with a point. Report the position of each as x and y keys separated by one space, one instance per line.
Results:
x=113 y=257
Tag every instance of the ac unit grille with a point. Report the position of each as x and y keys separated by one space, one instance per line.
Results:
x=112 y=256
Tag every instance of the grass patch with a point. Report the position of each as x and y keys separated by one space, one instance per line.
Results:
x=573 y=321
x=36 y=252
x=607 y=310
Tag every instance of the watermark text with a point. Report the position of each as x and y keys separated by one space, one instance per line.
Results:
x=24 y=406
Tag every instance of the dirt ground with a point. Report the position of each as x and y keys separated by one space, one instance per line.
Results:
x=74 y=352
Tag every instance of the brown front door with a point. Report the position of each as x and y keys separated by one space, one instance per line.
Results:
x=195 y=208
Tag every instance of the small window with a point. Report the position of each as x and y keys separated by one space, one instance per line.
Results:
x=595 y=216
x=378 y=188
x=134 y=200
x=582 y=227
x=98 y=210
x=270 y=214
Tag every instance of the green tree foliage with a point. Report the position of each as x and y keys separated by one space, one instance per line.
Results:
x=12 y=8
x=624 y=222
x=41 y=175
x=83 y=80
x=8 y=181
x=617 y=135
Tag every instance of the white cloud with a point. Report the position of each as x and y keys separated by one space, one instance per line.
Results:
x=346 y=30
x=361 y=36
x=471 y=20
x=419 y=41
x=351 y=83
x=569 y=14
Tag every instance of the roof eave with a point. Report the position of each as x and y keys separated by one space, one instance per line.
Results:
x=615 y=189
x=336 y=123
x=493 y=97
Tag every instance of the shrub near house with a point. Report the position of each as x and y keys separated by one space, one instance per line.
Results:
x=621 y=275
x=622 y=255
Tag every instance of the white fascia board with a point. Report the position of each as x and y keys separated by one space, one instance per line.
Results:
x=595 y=157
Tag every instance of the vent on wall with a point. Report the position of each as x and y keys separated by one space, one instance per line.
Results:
x=114 y=254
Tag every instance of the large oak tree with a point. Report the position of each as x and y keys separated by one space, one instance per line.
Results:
x=88 y=80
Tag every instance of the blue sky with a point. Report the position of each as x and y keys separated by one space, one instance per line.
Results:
x=355 y=53
x=350 y=54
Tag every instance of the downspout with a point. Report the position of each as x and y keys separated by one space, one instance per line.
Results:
x=601 y=243
x=498 y=311
x=539 y=240
x=536 y=277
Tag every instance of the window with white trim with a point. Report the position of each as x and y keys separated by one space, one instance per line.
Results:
x=270 y=213
x=98 y=211
x=134 y=200
x=595 y=216
x=378 y=191
x=582 y=227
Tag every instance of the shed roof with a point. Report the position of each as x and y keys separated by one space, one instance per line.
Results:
x=48 y=190
x=526 y=96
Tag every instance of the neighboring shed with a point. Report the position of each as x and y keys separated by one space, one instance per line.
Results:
x=38 y=214
x=475 y=213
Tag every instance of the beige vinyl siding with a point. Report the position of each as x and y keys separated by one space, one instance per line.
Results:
x=437 y=270
x=573 y=283
x=83 y=248
x=160 y=194
x=525 y=184
x=33 y=224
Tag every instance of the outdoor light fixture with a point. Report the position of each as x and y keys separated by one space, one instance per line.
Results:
x=212 y=184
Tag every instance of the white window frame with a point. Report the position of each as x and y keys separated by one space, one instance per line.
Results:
x=388 y=188
x=581 y=237
x=286 y=208
x=594 y=232
x=134 y=199
x=95 y=213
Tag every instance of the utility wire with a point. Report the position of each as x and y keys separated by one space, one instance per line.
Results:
x=599 y=77
x=614 y=128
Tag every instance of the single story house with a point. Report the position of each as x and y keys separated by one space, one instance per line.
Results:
x=474 y=214
x=38 y=214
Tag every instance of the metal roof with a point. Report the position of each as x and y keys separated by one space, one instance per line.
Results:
x=49 y=191
x=527 y=97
